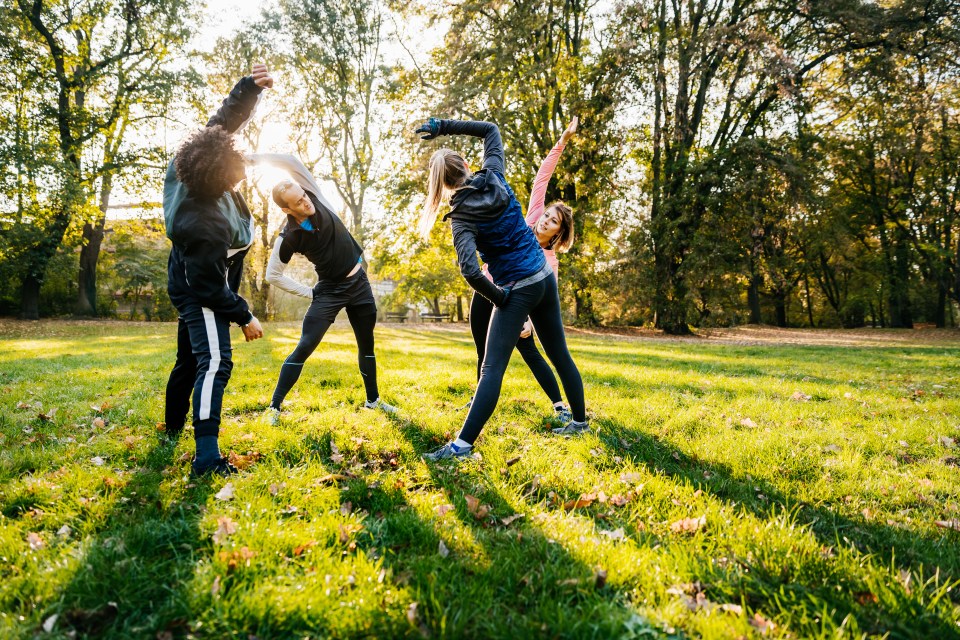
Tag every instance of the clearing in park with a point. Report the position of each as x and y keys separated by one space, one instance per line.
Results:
x=750 y=483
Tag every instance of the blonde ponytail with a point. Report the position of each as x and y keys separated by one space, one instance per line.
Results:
x=447 y=172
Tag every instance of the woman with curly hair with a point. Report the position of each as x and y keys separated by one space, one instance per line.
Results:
x=211 y=229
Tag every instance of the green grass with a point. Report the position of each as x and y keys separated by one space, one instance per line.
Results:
x=820 y=512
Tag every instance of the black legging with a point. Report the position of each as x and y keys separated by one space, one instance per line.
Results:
x=480 y=311
x=362 y=320
x=541 y=302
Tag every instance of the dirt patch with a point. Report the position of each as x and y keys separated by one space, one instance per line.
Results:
x=763 y=335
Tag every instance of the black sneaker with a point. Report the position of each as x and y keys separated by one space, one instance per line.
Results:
x=219 y=467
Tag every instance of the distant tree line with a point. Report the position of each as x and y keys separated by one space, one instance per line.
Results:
x=738 y=161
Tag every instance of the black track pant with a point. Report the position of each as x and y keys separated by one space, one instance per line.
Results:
x=202 y=369
x=355 y=295
x=541 y=302
x=480 y=311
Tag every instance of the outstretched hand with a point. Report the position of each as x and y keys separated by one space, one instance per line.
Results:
x=571 y=129
x=430 y=129
x=261 y=76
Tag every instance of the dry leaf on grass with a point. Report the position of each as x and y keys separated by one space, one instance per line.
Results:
x=443 y=509
x=35 y=541
x=477 y=510
x=747 y=422
x=688 y=525
x=443 y=550
x=243 y=461
x=347 y=530
x=953 y=523
x=226 y=493
x=303 y=547
x=615 y=535
x=585 y=500
x=948 y=442
x=225 y=528
x=511 y=519
x=761 y=624
x=799 y=396
x=346 y=508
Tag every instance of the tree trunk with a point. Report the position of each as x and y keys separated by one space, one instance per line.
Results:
x=30 y=298
x=87 y=275
x=90 y=254
x=780 y=308
x=940 y=312
x=459 y=309
x=753 y=294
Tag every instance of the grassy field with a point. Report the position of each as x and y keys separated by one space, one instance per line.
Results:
x=728 y=490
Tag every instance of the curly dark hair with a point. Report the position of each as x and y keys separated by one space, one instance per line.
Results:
x=208 y=163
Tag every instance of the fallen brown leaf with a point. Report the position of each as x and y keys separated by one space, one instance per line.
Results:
x=225 y=528
x=226 y=493
x=688 y=525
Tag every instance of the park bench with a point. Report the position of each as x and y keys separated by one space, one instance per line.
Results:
x=435 y=317
x=396 y=316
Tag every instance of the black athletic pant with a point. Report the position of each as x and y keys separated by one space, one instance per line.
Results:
x=541 y=302
x=356 y=296
x=480 y=311
x=202 y=369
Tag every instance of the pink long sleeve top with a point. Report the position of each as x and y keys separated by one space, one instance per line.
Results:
x=537 y=203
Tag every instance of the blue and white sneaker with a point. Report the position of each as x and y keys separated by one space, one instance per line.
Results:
x=449 y=451
x=272 y=416
x=563 y=415
x=380 y=404
x=572 y=428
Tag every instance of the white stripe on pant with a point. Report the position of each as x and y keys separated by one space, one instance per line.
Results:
x=213 y=340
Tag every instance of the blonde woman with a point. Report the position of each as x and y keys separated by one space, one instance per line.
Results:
x=486 y=218
x=553 y=227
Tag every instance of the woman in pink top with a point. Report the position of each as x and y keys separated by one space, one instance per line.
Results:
x=553 y=226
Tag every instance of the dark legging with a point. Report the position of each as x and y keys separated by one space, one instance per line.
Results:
x=541 y=302
x=480 y=311
x=362 y=319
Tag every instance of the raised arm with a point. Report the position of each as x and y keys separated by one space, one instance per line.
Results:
x=493 y=157
x=239 y=105
x=540 y=183
x=297 y=170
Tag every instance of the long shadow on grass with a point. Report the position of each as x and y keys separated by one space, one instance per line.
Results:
x=909 y=549
x=129 y=583
x=506 y=581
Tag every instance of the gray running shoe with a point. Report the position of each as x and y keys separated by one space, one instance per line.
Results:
x=448 y=451
x=467 y=406
x=380 y=404
x=572 y=428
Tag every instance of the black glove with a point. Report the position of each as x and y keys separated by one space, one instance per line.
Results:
x=430 y=129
